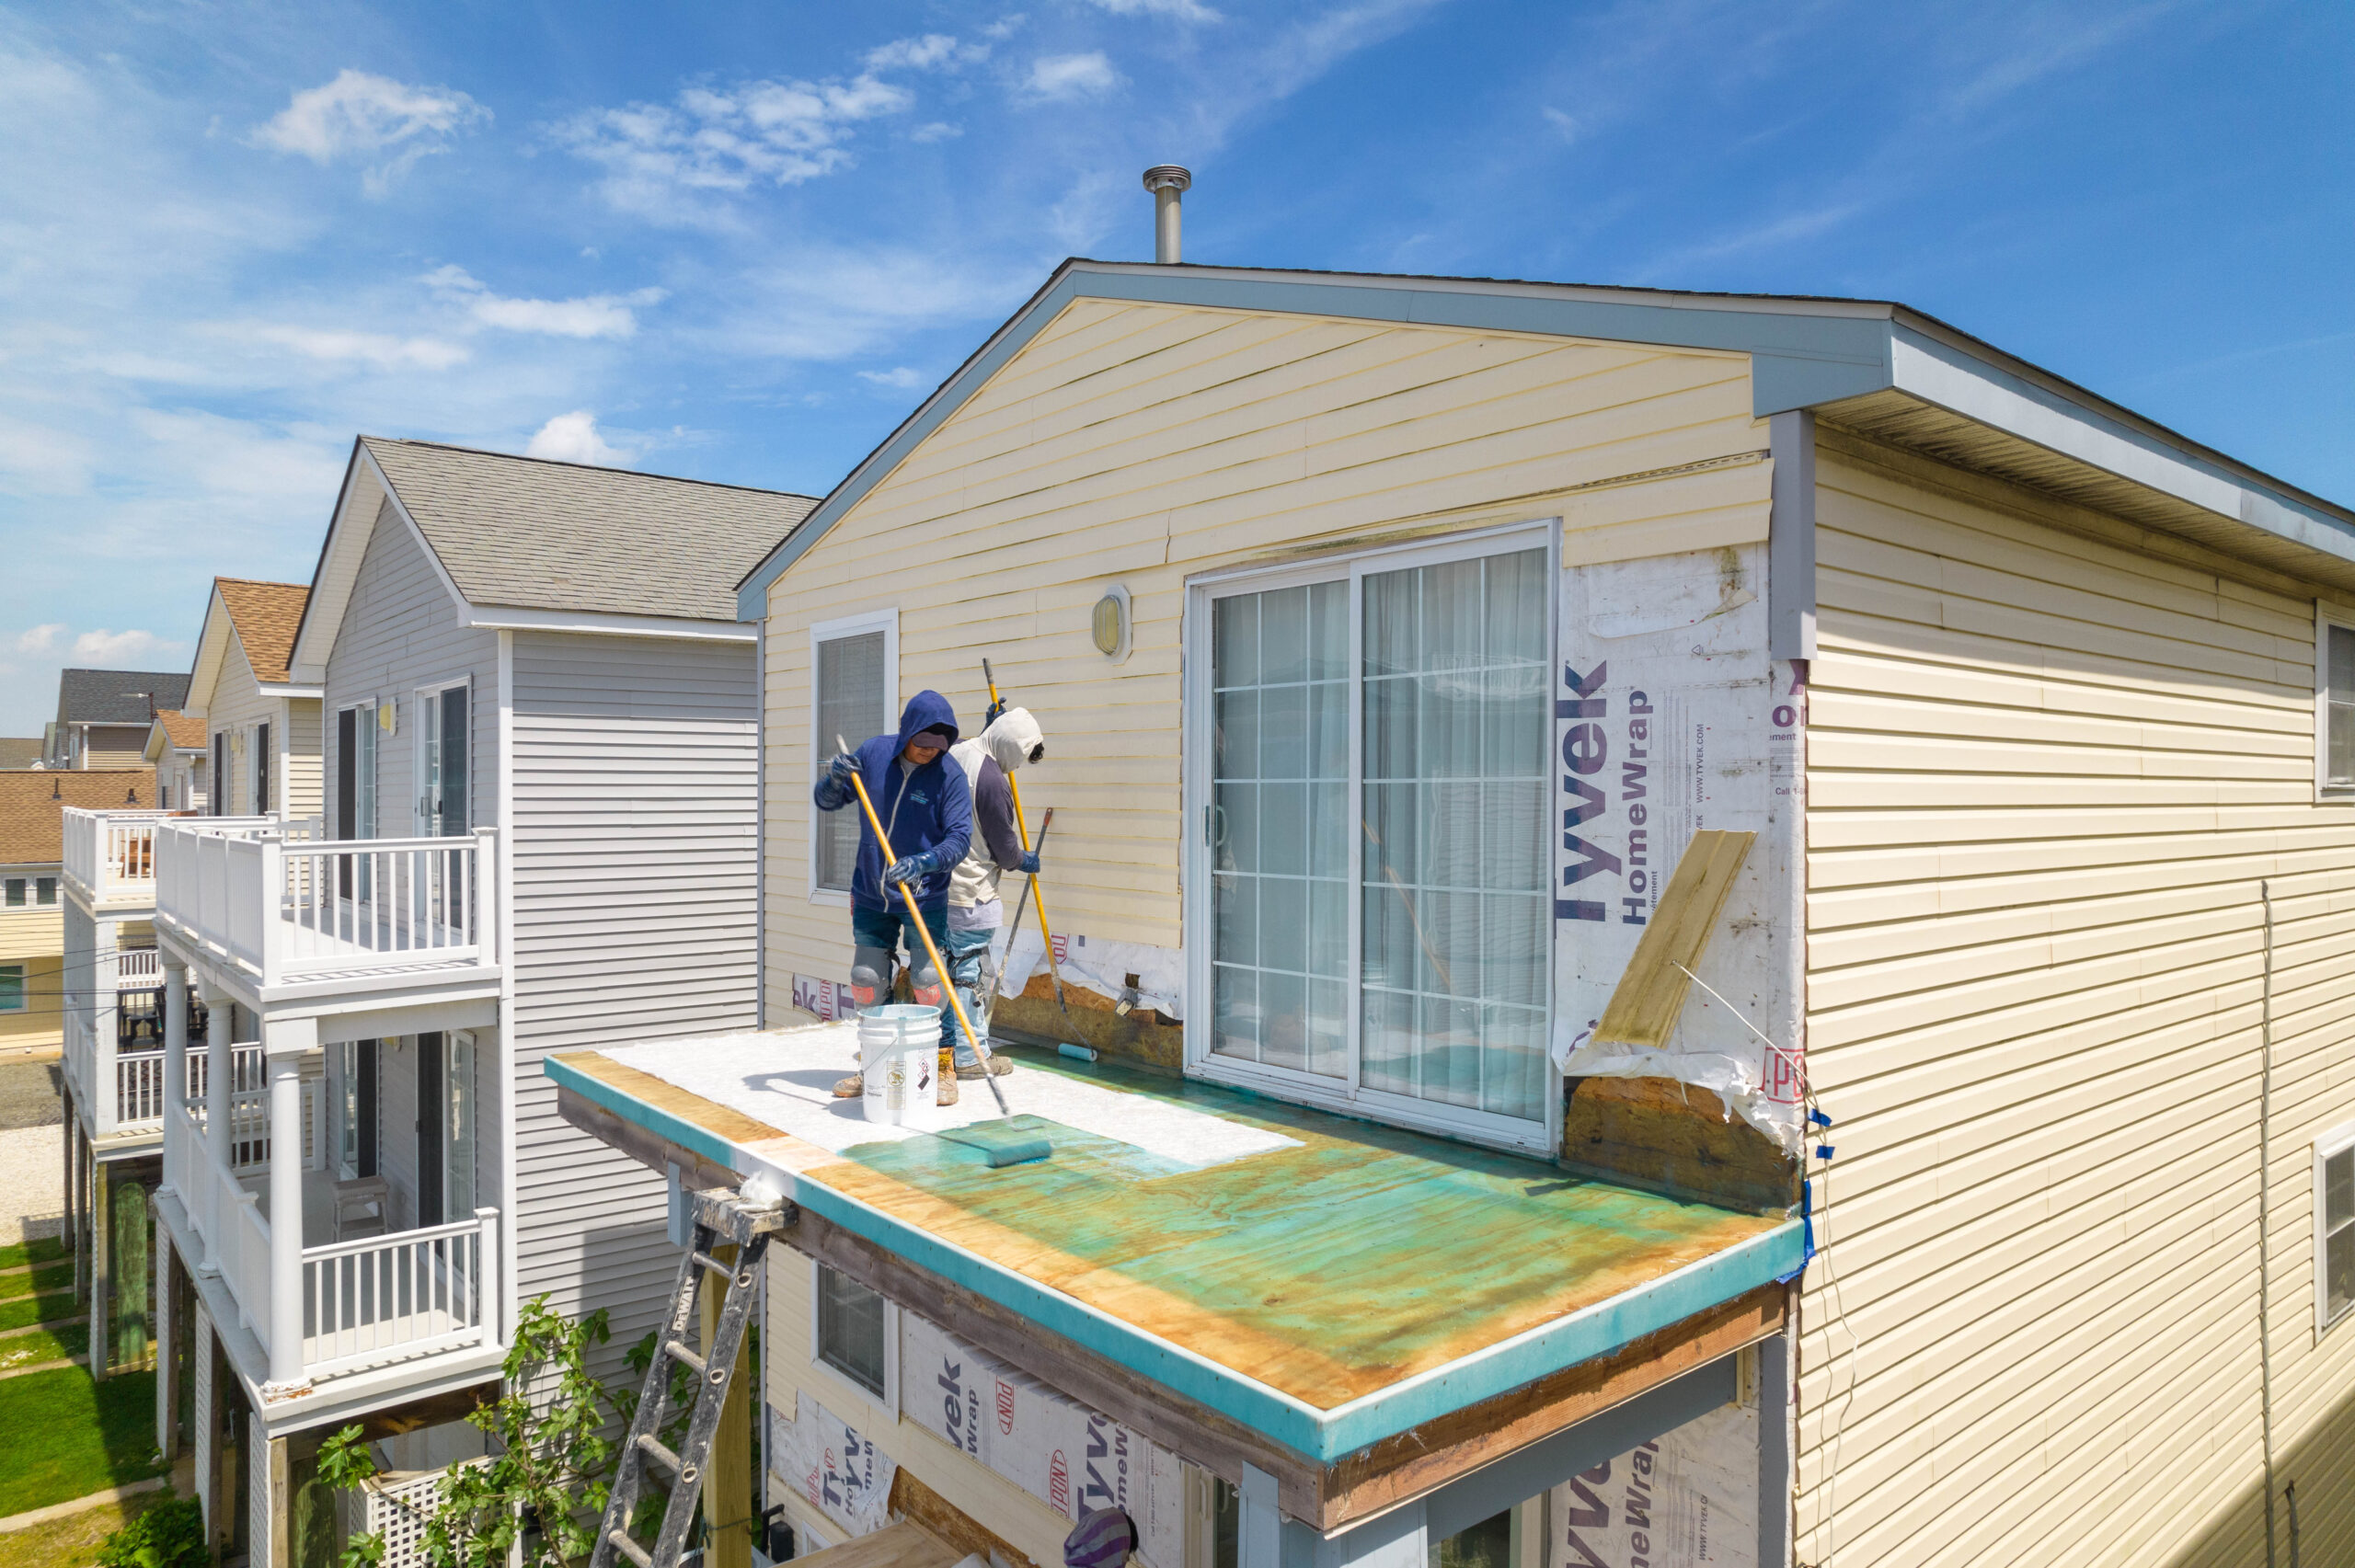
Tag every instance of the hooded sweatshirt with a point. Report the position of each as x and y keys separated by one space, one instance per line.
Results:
x=929 y=807
x=986 y=761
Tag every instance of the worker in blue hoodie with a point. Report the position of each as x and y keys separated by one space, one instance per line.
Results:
x=927 y=811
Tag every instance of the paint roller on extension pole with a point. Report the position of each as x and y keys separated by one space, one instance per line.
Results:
x=948 y=982
x=1055 y=970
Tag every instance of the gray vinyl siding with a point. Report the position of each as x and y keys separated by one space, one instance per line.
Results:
x=396 y=1123
x=635 y=917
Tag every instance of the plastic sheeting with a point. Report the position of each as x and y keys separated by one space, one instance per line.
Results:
x=1102 y=967
x=835 y=1468
x=1670 y=718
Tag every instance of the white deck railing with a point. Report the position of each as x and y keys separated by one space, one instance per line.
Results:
x=390 y=1297
x=138 y=969
x=112 y=853
x=365 y=1303
x=286 y=909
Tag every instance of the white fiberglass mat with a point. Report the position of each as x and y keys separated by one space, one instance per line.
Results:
x=787 y=1079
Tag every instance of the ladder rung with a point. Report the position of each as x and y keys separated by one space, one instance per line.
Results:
x=654 y=1445
x=678 y=1352
x=725 y=1270
x=629 y=1549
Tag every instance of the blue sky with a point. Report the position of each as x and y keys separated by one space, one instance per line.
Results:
x=739 y=242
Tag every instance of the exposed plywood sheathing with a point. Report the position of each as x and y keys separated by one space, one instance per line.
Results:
x=1645 y=1005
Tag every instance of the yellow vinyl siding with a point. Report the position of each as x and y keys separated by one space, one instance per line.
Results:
x=2046 y=765
x=34 y=936
x=302 y=750
x=1144 y=445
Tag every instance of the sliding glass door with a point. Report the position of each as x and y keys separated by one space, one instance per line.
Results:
x=1369 y=739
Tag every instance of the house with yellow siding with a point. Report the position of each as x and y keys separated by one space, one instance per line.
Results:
x=1664 y=907
x=33 y=952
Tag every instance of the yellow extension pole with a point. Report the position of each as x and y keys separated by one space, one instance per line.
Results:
x=1037 y=894
x=948 y=982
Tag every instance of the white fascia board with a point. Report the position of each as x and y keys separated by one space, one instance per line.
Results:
x=330 y=597
x=1934 y=379
x=607 y=624
x=212 y=646
x=268 y=690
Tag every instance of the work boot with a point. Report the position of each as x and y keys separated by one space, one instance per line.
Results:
x=948 y=1092
x=999 y=1068
x=851 y=1088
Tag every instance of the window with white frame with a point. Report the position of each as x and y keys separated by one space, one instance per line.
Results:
x=45 y=889
x=852 y=1333
x=2333 y=702
x=1372 y=858
x=2335 y=1227
x=18 y=891
x=854 y=669
x=12 y=989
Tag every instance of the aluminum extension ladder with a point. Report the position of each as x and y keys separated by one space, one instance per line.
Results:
x=720 y=1217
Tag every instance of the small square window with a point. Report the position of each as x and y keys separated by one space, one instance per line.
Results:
x=16 y=892
x=45 y=889
x=852 y=1331
x=2335 y=1175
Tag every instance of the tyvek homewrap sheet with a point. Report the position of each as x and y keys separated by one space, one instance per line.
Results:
x=834 y=1466
x=1690 y=1498
x=1670 y=718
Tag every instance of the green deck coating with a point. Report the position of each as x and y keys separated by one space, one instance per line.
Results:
x=1329 y=1294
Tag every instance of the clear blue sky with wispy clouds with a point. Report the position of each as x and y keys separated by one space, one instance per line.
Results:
x=739 y=241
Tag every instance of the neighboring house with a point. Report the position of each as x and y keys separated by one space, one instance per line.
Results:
x=261 y=724
x=177 y=750
x=103 y=714
x=21 y=753
x=1394 y=640
x=32 y=933
x=539 y=815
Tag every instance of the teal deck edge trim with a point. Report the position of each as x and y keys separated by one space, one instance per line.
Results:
x=1801 y=357
x=1322 y=1435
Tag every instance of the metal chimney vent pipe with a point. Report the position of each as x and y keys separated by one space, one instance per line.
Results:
x=1167 y=182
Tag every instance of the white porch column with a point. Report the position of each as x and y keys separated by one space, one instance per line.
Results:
x=174 y=1066
x=217 y=1030
x=285 y=1223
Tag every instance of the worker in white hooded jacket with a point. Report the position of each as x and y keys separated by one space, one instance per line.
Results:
x=975 y=912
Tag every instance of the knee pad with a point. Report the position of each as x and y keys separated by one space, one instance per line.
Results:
x=925 y=980
x=871 y=976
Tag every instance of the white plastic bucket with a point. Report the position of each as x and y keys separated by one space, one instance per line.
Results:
x=898 y=1057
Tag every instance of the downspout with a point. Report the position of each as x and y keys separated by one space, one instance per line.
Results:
x=2264 y=1208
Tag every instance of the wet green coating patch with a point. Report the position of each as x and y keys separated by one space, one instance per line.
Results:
x=1330 y=1270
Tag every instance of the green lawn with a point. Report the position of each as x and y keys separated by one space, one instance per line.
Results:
x=69 y=1436
x=48 y=1345
x=49 y=1249
x=26 y=1309
x=40 y=1280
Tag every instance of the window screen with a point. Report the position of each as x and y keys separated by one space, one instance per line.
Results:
x=2337 y=1198
x=2339 y=728
x=16 y=892
x=12 y=988
x=851 y=703
x=850 y=1330
x=45 y=889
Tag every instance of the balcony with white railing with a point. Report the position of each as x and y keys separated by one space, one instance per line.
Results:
x=318 y=1312
x=110 y=856
x=278 y=909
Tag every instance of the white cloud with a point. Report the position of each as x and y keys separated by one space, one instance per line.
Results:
x=358 y=113
x=1176 y=10
x=829 y=304
x=108 y=649
x=590 y=315
x=1005 y=25
x=1561 y=122
x=40 y=639
x=669 y=163
x=1067 y=77
x=937 y=130
x=45 y=460
x=573 y=437
x=931 y=51
x=378 y=348
x=900 y=376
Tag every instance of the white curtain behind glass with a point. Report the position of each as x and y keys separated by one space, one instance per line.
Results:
x=1453 y=962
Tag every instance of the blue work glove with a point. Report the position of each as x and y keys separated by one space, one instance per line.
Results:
x=990 y=715
x=914 y=868
x=840 y=770
x=1030 y=861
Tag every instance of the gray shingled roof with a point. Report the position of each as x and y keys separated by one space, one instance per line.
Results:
x=104 y=696
x=526 y=533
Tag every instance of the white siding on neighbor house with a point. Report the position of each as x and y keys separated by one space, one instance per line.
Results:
x=300 y=749
x=633 y=860
x=2049 y=758
x=1141 y=444
x=401 y=632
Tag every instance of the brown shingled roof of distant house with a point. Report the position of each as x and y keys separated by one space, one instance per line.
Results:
x=266 y=615
x=32 y=807
x=184 y=732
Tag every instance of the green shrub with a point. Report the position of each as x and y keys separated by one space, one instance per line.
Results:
x=169 y=1535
